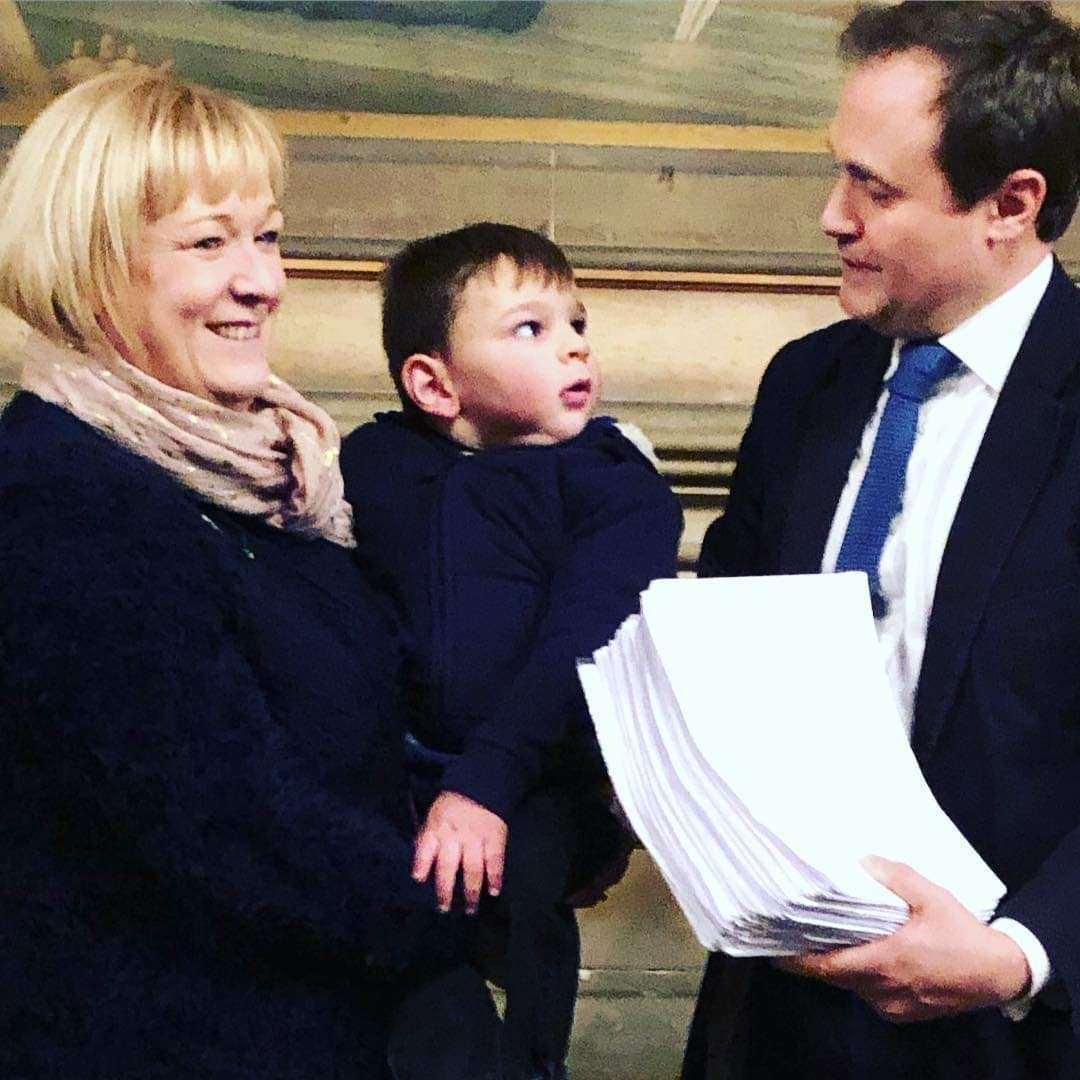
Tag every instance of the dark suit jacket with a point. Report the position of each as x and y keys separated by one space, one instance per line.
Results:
x=205 y=841
x=997 y=711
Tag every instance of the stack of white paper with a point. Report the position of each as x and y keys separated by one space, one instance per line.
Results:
x=755 y=745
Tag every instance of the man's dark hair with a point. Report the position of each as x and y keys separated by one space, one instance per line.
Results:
x=1011 y=93
x=422 y=284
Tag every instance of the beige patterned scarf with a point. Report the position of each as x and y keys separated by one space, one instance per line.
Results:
x=278 y=462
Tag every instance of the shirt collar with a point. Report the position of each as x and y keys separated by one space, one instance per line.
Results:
x=988 y=342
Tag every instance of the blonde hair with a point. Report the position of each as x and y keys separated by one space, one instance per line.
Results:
x=109 y=156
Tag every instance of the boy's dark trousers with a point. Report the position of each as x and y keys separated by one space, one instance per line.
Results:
x=540 y=954
x=445 y=1028
x=526 y=939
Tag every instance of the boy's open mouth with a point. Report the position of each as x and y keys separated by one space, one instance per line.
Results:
x=578 y=394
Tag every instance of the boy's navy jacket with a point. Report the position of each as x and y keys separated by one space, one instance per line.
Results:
x=205 y=841
x=509 y=564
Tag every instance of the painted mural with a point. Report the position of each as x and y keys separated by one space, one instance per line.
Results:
x=672 y=61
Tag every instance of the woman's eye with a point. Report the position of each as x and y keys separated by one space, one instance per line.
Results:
x=579 y=326
x=270 y=236
x=208 y=243
x=529 y=329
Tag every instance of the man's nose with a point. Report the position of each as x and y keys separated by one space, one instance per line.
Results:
x=837 y=219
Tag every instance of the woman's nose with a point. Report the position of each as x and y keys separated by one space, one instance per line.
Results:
x=258 y=276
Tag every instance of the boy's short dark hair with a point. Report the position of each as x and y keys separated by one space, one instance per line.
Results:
x=423 y=282
x=1011 y=94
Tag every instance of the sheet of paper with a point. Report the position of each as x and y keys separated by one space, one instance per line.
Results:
x=752 y=737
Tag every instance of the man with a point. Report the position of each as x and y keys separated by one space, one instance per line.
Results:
x=932 y=440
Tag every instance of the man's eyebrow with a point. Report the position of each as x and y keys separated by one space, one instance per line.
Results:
x=867 y=175
x=857 y=171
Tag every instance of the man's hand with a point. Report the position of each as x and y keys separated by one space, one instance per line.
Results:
x=461 y=833
x=940 y=962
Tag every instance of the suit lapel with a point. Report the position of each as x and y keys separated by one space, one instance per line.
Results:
x=836 y=417
x=1012 y=464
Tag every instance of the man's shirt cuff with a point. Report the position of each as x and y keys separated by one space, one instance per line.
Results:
x=1038 y=963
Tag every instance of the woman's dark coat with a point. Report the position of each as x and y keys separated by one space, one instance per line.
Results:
x=204 y=843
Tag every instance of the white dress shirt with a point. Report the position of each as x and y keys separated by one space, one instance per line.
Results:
x=951 y=428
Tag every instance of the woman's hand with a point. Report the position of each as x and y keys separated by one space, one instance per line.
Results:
x=459 y=832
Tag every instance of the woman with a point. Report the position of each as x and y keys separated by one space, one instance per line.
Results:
x=205 y=847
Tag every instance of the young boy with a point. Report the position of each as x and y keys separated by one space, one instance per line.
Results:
x=515 y=533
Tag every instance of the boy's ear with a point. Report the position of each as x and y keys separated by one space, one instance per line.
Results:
x=430 y=386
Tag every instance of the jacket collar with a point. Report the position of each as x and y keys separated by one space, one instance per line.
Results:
x=833 y=422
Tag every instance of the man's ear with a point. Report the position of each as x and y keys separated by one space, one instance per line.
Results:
x=1015 y=205
x=430 y=386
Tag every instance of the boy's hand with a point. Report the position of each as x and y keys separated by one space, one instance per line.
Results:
x=461 y=833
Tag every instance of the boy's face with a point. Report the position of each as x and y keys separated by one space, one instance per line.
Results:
x=519 y=360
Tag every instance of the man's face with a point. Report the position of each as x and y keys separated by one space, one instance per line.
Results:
x=913 y=263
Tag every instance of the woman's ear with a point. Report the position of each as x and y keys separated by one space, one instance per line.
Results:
x=1016 y=204
x=430 y=386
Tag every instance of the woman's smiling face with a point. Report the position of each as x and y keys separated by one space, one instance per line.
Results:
x=206 y=279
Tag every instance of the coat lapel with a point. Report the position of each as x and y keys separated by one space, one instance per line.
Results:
x=836 y=417
x=1018 y=449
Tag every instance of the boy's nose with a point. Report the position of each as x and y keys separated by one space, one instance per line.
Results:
x=576 y=347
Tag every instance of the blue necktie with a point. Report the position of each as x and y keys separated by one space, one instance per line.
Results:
x=923 y=364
